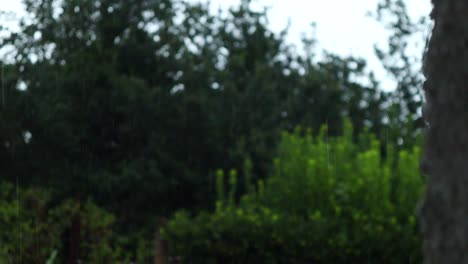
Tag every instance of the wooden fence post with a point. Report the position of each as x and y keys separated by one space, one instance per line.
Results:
x=73 y=241
x=161 y=248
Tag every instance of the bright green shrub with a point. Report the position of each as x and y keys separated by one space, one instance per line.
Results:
x=329 y=200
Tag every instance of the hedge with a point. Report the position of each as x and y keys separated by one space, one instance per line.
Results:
x=329 y=200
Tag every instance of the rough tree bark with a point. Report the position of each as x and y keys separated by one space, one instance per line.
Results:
x=444 y=209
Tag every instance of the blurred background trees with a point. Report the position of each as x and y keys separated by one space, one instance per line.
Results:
x=135 y=105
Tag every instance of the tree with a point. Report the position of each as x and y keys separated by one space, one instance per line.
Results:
x=135 y=105
x=404 y=68
x=444 y=209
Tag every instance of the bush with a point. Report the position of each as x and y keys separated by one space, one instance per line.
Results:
x=329 y=200
x=34 y=230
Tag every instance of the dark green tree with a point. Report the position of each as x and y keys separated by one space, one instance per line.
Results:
x=404 y=66
x=136 y=103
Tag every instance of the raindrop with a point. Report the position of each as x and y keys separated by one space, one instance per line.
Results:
x=76 y=9
x=327 y=143
x=3 y=84
x=110 y=9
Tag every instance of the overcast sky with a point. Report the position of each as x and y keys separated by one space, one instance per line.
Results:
x=342 y=25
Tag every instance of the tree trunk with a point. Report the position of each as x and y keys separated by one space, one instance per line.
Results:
x=444 y=209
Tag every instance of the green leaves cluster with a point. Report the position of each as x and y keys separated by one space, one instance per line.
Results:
x=329 y=200
x=37 y=230
x=134 y=104
x=154 y=95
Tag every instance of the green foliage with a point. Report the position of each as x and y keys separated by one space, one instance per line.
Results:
x=117 y=103
x=134 y=104
x=52 y=257
x=35 y=231
x=329 y=200
x=404 y=66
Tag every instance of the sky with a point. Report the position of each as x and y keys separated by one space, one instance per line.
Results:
x=342 y=26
